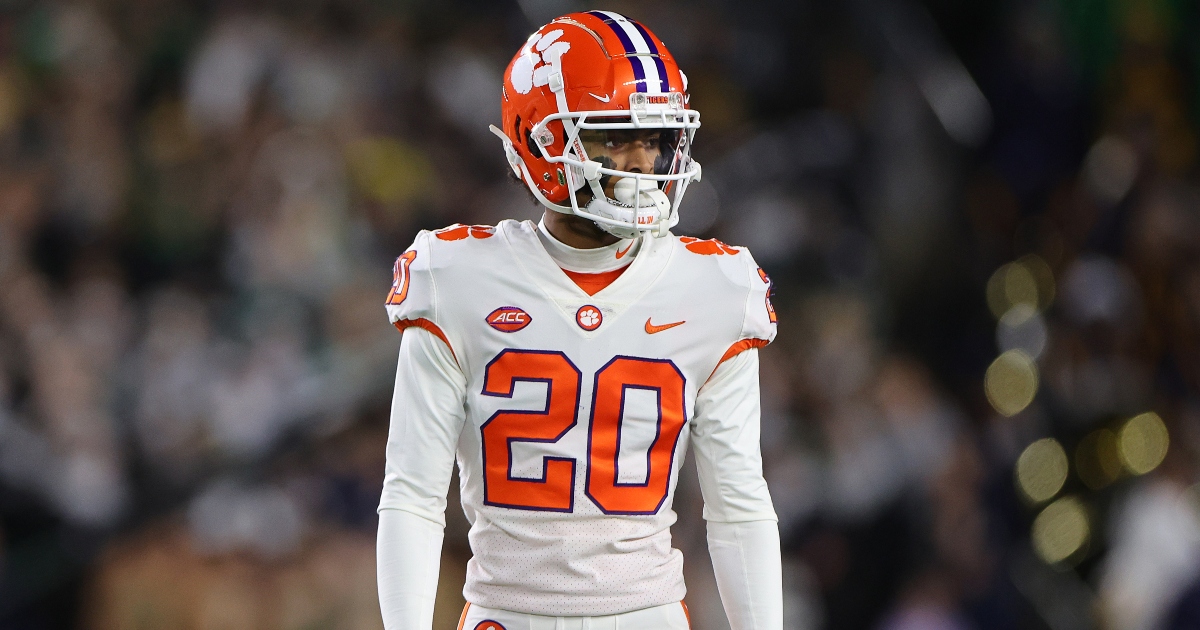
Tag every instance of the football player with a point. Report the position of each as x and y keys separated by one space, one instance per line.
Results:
x=568 y=365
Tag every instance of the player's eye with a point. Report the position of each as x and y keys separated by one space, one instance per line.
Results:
x=671 y=139
x=593 y=137
x=613 y=141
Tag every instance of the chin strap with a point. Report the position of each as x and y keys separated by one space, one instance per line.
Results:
x=514 y=159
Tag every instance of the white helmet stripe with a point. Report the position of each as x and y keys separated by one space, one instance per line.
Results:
x=641 y=47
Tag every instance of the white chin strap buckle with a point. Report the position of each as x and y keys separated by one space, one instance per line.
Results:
x=653 y=207
x=641 y=207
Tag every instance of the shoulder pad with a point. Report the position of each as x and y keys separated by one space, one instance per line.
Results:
x=740 y=269
x=458 y=232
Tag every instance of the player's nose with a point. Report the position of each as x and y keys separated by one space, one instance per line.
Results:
x=641 y=160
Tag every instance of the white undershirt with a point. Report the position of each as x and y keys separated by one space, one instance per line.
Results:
x=596 y=260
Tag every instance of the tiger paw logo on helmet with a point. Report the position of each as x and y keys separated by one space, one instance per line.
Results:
x=533 y=64
x=595 y=122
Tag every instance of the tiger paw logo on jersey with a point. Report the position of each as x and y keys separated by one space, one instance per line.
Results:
x=488 y=624
x=709 y=247
x=458 y=232
x=588 y=317
x=508 y=319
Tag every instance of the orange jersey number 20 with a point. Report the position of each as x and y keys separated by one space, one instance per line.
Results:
x=555 y=490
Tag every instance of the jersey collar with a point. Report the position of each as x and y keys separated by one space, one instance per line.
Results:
x=533 y=259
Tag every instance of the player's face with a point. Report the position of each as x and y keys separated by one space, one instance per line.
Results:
x=629 y=150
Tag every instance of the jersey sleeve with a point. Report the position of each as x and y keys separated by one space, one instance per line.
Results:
x=759 y=321
x=426 y=419
x=725 y=440
x=412 y=299
x=758 y=314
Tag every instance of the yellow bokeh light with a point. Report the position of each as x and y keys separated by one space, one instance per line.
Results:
x=1097 y=460
x=1041 y=470
x=1026 y=281
x=388 y=170
x=12 y=89
x=1061 y=530
x=1011 y=382
x=1043 y=276
x=1142 y=443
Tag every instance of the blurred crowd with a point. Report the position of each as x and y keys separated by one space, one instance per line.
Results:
x=982 y=220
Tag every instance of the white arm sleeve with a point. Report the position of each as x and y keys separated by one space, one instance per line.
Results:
x=749 y=574
x=408 y=558
x=743 y=535
x=427 y=417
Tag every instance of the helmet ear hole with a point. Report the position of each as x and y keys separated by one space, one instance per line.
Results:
x=662 y=164
x=533 y=147
x=528 y=140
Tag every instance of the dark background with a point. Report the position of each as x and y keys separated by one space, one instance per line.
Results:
x=200 y=203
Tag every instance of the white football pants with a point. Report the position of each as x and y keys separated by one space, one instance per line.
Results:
x=665 y=617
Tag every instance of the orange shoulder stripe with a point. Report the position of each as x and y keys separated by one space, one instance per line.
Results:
x=425 y=324
x=737 y=348
x=741 y=347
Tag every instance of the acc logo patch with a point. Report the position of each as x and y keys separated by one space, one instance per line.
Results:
x=588 y=317
x=488 y=624
x=508 y=319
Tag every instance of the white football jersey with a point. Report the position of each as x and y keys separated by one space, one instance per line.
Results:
x=578 y=409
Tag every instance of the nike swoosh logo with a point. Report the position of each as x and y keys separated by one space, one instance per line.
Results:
x=621 y=253
x=651 y=328
x=602 y=99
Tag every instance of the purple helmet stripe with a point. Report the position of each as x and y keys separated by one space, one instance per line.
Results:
x=639 y=74
x=662 y=69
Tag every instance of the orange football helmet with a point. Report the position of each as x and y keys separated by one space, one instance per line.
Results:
x=583 y=91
